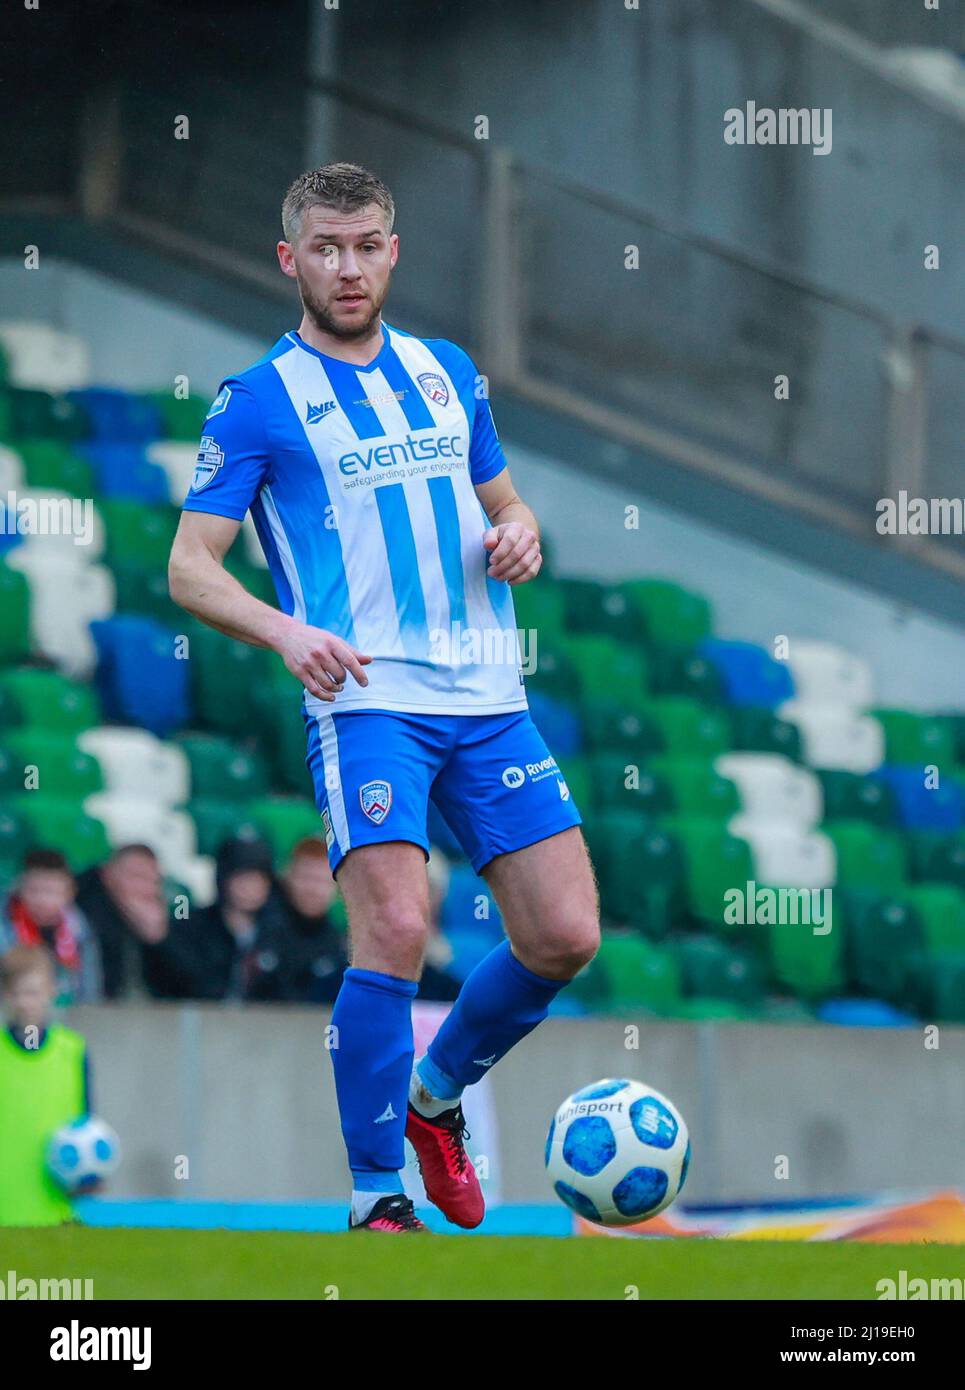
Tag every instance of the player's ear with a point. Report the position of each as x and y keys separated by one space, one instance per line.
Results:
x=393 y=249
x=286 y=258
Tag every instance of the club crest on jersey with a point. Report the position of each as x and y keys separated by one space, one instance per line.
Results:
x=434 y=387
x=210 y=458
x=376 y=799
x=220 y=403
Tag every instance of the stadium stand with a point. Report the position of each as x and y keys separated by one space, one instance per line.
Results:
x=701 y=764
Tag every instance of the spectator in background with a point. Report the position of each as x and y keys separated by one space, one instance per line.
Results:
x=44 y=1083
x=312 y=949
x=41 y=912
x=231 y=950
x=124 y=903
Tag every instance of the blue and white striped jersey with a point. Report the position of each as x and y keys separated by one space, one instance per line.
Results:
x=360 y=482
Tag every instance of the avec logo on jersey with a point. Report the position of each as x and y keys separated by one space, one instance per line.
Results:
x=437 y=446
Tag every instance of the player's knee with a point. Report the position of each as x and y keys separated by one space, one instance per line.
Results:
x=571 y=946
x=398 y=934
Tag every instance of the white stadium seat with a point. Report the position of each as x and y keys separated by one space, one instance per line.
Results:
x=198 y=877
x=44 y=358
x=55 y=524
x=177 y=460
x=137 y=763
x=11 y=472
x=773 y=789
x=825 y=674
x=786 y=857
x=833 y=737
x=140 y=820
x=64 y=598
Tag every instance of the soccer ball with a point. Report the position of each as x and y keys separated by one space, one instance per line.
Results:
x=617 y=1152
x=82 y=1153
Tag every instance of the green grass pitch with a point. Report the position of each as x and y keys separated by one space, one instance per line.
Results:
x=151 y=1264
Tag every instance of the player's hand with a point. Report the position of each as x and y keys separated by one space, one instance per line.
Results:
x=515 y=555
x=321 y=660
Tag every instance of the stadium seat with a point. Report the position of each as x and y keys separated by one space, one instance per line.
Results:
x=825 y=674
x=559 y=724
x=669 y=613
x=916 y=739
x=762 y=731
x=137 y=532
x=940 y=908
x=469 y=903
x=600 y=609
x=681 y=670
x=579 y=782
x=46 y=699
x=140 y=676
x=696 y=788
x=540 y=608
x=714 y=969
x=216 y=821
x=226 y=677
x=554 y=673
x=63 y=823
x=119 y=415
x=850 y=796
x=749 y=674
x=42 y=415
x=688 y=728
x=40 y=760
x=220 y=769
x=176 y=461
x=638 y=974
x=772 y=788
x=868 y=856
x=606 y=670
x=640 y=871
x=122 y=470
x=939 y=986
x=920 y=807
x=142 y=820
x=48 y=464
x=283 y=821
x=44 y=358
x=609 y=726
x=136 y=763
x=181 y=418
x=883 y=937
x=66 y=599
x=143 y=589
x=810 y=963
x=937 y=858
x=835 y=737
x=715 y=863
x=621 y=785
x=69 y=530
x=14 y=615
x=786 y=855
x=12 y=474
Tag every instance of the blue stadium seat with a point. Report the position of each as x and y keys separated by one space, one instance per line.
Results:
x=921 y=808
x=560 y=726
x=459 y=905
x=118 y=417
x=139 y=678
x=749 y=674
x=863 y=1013
x=469 y=947
x=122 y=470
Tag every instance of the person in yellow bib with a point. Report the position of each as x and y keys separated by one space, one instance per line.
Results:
x=44 y=1083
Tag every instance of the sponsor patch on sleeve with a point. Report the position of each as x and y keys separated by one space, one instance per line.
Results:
x=220 y=403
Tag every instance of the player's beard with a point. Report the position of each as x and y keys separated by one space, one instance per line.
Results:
x=324 y=321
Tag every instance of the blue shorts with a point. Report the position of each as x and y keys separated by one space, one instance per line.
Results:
x=492 y=777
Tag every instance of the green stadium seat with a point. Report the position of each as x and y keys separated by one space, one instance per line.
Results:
x=218 y=820
x=256 y=580
x=941 y=912
x=554 y=672
x=868 y=856
x=714 y=969
x=52 y=464
x=695 y=788
x=14 y=616
x=939 y=987
x=882 y=937
x=137 y=533
x=222 y=770
x=937 y=857
x=712 y=1011
x=715 y=863
x=143 y=589
x=15 y=833
x=762 y=731
x=688 y=728
x=849 y=796
x=579 y=779
x=669 y=613
x=601 y=609
x=61 y=823
x=607 y=670
x=639 y=869
x=283 y=821
x=609 y=727
x=183 y=419
x=43 y=699
x=812 y=965
x=39 y=415
x=540 y=608
x=916 y=739
x=225 y=676
x=638 y=974
x=610 y=773
x=681 y=670
x=61 y=768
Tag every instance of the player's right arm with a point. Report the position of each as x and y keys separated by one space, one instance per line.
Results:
x=233 y=464
x=199 y=582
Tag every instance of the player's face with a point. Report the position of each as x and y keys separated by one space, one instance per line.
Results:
x=343 y=263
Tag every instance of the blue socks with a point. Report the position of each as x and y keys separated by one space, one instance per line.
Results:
x=499 y=1003
x=372 y=1058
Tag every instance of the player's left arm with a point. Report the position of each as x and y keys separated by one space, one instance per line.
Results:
x=513 y=538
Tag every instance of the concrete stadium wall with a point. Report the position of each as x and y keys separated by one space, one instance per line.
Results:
x=247 y=1096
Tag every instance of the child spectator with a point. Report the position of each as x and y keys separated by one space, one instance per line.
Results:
x=41 y=912
x=44 y=1083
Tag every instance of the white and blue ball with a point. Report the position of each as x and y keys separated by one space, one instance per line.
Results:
x=617 y=1152
x=83 y=1153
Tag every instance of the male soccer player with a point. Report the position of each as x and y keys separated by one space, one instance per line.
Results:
x=370 y=464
